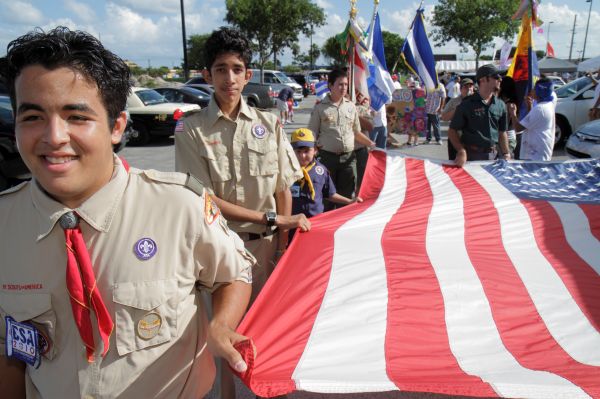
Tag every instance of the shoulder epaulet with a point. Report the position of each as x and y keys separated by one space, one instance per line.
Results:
x=187 y=180
x=14 y=189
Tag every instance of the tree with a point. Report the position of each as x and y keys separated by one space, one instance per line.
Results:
x=273 y=25
x=195 y=47
x=392 y=44
x=331 y=49
x=474 y=23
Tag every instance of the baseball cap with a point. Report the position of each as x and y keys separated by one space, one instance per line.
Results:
x=466 y=81
x=487 y=70
x=302 y=137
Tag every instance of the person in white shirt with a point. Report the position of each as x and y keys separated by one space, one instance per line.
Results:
x=537 y=126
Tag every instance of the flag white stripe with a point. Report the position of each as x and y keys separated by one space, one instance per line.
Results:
x=579 y=233
x=421 y=69
x=559 y=311
x=473 y=335
x=346 y=346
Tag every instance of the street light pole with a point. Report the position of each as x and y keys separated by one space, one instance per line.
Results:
x=185 y=58
x=586 y=29
x=548 y=33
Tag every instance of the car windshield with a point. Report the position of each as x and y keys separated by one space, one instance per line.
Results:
x=150 y=97
x=195 y=92
x=573 y=87
x=6 y=112
x=284 y=78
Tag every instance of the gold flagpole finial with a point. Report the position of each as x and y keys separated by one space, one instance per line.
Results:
x=353 y=9
x=376 y=2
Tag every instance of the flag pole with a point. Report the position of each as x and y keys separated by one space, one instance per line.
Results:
x=351 y=54
x=371 y=27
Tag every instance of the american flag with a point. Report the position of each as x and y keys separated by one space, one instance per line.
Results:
x=478 y=281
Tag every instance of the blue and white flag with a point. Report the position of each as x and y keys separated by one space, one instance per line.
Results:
x=380 y=83
x=417 y=53
x=321 y=89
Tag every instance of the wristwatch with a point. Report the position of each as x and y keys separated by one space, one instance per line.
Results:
x=271 y=217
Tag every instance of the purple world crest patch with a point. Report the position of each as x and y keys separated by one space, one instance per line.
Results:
x=259 y=131
x=145 y=248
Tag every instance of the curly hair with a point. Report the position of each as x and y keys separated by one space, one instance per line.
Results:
x=80 y=51
x=227 y=40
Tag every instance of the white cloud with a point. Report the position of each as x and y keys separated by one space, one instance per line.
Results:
x=157 y=6
x=20 y=12
x=81 y=10
x=323 y=4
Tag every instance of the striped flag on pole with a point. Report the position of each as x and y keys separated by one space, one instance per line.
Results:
x=482 y=281
x=417 y=53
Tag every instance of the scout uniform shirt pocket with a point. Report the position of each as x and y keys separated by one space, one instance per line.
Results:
x=37 y=310
x=218 y=162
x=262 y=157
x=145 y=314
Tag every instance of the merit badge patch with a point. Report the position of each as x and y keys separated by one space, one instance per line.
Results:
x=148 y=326
x=22 y=342
x=259 y=131
x=145 y=248
x=295 y=189
x=211 y=210
x=319 y=170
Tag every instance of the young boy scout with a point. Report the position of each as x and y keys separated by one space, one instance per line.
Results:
x=309 y=193
x=127 y=320
x=243 y=155
x=335 y=123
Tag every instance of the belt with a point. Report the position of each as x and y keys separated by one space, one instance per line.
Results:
x=476 y=148
x=336 y=153
x=256 y=236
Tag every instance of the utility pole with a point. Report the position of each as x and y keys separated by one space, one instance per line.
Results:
x=185 y=58
x=310 y=51
x=572 y=37
x=586 y=29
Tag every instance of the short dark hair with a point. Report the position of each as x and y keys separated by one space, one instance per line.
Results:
x=335 y=74
x=80 y=51
x=227 y=40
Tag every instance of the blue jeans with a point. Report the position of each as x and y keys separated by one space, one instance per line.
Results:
x=379 y=136
x=433 y=120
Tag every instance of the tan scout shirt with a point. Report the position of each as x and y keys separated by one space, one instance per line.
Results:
x=168 y=361
x=334 y=126
x=243 y=161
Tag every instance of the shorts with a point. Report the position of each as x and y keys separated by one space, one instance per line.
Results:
x=282 y=105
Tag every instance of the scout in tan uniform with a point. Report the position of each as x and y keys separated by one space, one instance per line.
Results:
x=128 y=320
x=335 y=122
x=243 y=155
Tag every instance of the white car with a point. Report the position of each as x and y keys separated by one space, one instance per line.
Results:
x=574 y=101
x=153 y=115
x=585 y=142
x=278 y=77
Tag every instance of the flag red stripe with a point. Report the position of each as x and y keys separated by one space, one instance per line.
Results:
x=580 y=279
x=374 y=176
x=522 y=331
x=417 y=350
x=592 y=212
x=278 y=347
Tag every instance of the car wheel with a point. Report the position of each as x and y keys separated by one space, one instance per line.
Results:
x=252 y=102
x=140 y=136
x=562 y=131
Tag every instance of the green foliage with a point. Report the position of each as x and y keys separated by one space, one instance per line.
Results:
x=486 y=57
x=333 y=51
x=273 y=25
x=474 y=23
x=540 y=54
x=392 y=43
x=195 y=48
x=292 y=69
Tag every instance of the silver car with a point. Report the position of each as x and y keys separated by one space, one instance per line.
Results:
x=585 y=142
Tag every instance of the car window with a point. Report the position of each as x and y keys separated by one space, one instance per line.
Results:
x=196 y=80
x=573 y=87
x=196 y=93
x=6 y=112
x=150 y=97
x=588 y=94
x=283 y=78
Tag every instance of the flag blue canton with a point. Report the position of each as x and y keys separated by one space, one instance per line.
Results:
x=575 y=182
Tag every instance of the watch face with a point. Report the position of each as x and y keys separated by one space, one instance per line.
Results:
x=271 y=217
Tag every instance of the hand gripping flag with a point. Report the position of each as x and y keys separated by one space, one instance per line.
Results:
x=481 y=281
x=417 y=53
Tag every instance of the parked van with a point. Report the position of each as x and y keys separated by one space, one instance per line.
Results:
x=278 y=77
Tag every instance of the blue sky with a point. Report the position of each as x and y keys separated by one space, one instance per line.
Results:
x=148 y=32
